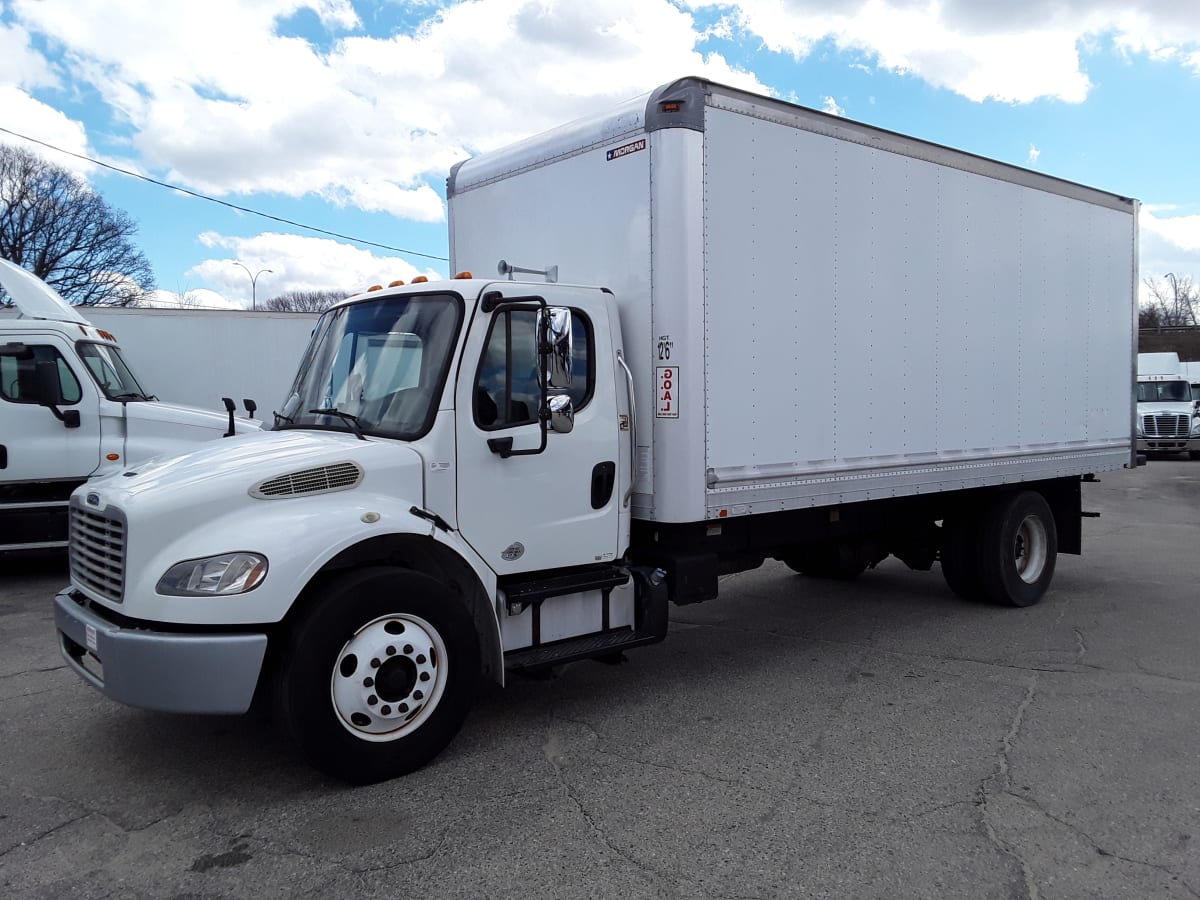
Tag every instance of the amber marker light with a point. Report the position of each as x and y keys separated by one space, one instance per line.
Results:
x=420 y=279
x=396 y=283
x=113 y=457
x=375 y=287
x=464 y=275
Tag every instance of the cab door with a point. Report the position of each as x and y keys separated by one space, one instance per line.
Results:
x=34 y=444
x=555 y=508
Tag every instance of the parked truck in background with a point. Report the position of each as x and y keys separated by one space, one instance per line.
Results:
x=489 y=474
x=71 y=409
x=1168 y=412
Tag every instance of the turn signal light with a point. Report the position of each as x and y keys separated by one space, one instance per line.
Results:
x=113 y=457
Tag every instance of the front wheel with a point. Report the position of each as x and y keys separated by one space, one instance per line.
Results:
x=378 y=674
x=1018 y=549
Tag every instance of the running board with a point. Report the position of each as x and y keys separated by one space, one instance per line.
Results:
x=573 y=649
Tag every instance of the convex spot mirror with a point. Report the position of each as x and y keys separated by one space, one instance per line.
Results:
x=562 y=414
x=554 y=344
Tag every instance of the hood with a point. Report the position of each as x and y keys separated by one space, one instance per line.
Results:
x=219 y=476
x=34 y=298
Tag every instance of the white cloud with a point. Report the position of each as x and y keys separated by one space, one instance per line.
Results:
x=831 y=106
x=1034 y=155
x=1018 y=51
x=220 y=102
x=296 y=264
x=1169 y=243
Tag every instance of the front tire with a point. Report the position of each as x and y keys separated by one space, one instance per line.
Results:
x=378 y=673
x=1018 y=549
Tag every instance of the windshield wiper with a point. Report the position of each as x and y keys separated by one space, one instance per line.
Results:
x=350 y=420
x=129 y=395
x=279 y=415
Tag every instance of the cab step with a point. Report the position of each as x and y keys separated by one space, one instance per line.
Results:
x=573 y=649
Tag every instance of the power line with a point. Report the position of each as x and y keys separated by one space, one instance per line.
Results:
x=253 y=212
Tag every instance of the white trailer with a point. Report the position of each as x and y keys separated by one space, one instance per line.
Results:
x=200 y=356
x=72 y=409
x=488 y=474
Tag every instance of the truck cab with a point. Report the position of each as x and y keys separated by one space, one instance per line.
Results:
x=451 y=455
x=1168 y=410
x=72 y=409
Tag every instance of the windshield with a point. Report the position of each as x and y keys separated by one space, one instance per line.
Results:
x=1163 y=391
x=108 y=369
x=382 y=363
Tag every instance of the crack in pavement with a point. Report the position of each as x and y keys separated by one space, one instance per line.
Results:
x=1002 y=775
x=1080 y=646
x=45 y=834
x=550 y=750
x=1095 y=845
x=8 y=675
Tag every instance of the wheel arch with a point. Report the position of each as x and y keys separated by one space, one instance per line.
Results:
x=419 y=553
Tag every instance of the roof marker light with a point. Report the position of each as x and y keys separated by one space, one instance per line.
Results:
x=396 y=283
x=375 y=287
x=420 y=279
x=464 y=275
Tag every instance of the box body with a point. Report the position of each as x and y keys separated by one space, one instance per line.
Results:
x=820 y=312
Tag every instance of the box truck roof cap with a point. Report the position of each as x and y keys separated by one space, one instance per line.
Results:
x=34 y=298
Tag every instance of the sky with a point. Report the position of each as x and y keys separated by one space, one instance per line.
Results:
x=346 y=115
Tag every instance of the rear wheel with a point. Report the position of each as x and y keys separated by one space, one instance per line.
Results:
x=1018 y=548
x=378 y=674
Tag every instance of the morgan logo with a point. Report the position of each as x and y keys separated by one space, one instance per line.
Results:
x=625 y=150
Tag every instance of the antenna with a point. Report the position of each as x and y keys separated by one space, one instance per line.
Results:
x=550 y=273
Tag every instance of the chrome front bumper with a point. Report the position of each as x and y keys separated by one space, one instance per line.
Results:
x=169 y=671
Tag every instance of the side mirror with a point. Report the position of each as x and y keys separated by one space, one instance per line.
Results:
x=554 y=345
x=48 y=388
x=562 y=414
x=47 y=382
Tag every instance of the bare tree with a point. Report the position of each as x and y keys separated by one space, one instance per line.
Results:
x=304 y=301
x=53 y=224
x=1173 y=301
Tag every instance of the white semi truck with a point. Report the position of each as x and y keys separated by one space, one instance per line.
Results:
x=71 y=409
x=1168 y=414
x=488 y=474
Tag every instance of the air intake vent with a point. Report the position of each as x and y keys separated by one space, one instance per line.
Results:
x=324 y=480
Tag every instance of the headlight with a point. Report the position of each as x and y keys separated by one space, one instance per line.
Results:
x=1139 y=427
x=1196 y=427
x=229 y=573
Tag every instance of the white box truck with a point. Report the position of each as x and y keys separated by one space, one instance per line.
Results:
x=72 y=409
x=1168 y=414
x=756 y=331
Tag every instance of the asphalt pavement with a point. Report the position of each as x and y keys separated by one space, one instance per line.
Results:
x=793 y=738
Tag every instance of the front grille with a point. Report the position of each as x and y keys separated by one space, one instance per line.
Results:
x=97 y=553
x=1165 y=425
x=323 y=480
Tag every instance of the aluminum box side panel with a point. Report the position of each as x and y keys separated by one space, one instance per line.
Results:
x=870 y=312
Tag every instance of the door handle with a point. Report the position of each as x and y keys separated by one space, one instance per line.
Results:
x=604 y=477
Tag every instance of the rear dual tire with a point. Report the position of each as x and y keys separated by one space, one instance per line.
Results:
x=1006 y=554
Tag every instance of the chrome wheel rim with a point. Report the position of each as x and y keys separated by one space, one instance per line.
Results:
x=389 y=677
x=1030 y=549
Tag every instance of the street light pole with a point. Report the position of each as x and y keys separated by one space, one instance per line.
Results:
x=253 y=281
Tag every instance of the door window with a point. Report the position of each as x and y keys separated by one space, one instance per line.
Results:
x=507 y=390
x=18 y=377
